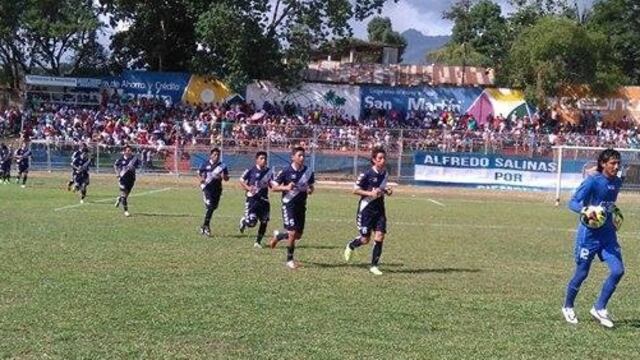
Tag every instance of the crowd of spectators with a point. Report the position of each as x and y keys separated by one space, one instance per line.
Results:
x=118 y=121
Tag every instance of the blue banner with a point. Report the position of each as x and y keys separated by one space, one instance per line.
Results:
x=422 y=98
x=164 y=85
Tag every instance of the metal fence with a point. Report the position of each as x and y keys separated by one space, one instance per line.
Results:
x=333 y=153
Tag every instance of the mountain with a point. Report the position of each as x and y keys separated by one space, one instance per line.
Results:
x=418 y=44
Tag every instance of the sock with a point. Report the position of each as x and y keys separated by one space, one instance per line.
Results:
x=83 y=193
x=615 y=275
x=290 y=250
x=24 y=179
x=377 y=252
x=581 y=273
x=125 y=203
x=355 y=243
x=207 y=217
x=261 y=230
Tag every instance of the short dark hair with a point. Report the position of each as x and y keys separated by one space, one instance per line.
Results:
x=605 y=156
x=261 y=153
x=214 y=150
x=377 y=150
x=127 y=147
x=296 y=149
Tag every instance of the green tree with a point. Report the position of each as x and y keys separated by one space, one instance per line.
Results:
x=48 y=36
x=557 y=53
x=479 y=35
x=380 y=30
x=620 y=21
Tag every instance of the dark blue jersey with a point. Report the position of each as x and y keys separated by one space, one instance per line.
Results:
x=597 y=190
x=5 y=155
x=76 y=154
x=258 y=179
x=81 y=164
x=213 y=174
x=23 y=156
x=126 y=167
x=302 y=180
x=367 y=181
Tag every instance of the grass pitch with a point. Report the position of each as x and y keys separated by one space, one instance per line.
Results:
x=467 y=275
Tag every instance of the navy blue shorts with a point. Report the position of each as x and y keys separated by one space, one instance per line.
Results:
x=293 y=217
x=368 y=221
x=126 y=183
x=81 y=178
x=211 y=198
x=23 y=168
x=5 y=167
x=256 y=210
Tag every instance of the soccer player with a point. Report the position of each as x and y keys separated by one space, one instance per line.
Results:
x=23 y=160
x=80 y=167
x=296 y=183
x=5 y=163
x=211 y=173
x=599 y=189
x=371 y=217
x=76 y=154
x=125 y=168
x=256 y=182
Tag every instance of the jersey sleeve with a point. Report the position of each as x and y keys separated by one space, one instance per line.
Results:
x=360 y=182
x=245 y=176
x=583 y=191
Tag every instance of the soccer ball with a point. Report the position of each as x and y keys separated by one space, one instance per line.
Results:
x=618 y=218
x=594 y=222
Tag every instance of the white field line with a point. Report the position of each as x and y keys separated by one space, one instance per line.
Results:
x=436 y=202
x=114 y=198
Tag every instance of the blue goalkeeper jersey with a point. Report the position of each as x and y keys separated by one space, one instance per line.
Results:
x=596 y=190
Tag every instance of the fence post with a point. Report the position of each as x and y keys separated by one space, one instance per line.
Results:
x=175 y=159
x=97 y=158
x=48 y=155
x=355 y=155
x=268 y=150
x=400 y=153
x=314 y=142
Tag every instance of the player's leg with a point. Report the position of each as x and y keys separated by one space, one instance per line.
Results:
x=380 y=229
x=244 y=220
x=288 y=221
x=363 y=222
x=25 y=174
x=263 y=216
x=211 y=201
x=612 y=255
x=72 y=180
x=583 y=258
x=295 y=232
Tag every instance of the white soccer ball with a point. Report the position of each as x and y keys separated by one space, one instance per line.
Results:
x=593 y=217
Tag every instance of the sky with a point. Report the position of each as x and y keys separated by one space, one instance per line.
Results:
x=426 y=16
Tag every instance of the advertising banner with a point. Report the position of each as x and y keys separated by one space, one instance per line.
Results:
x=421 y=98
x=480 y=170
x=164 y=85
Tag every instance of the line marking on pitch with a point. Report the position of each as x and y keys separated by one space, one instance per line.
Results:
x=113 y=199
x=436 y=202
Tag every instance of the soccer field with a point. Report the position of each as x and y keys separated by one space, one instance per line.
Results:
x=467 y=275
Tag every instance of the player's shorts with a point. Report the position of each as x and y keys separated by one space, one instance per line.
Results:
x=585 y=252
x=23 y=168
x=368 y=221
x=256 y=210
x=126 y=183
x=293 y=216
x=82 y=178
x=211 y=198
x=5 y=167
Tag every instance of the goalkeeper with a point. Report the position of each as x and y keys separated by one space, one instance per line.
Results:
x=599 y=189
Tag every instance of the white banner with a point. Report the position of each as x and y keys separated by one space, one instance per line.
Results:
x=344 y=99
x=51 y=81
x=488 y=176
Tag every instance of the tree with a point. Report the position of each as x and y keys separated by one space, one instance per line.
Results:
x=620 y=21
x=237 y=40
x=48 y=35
x=380 y=30
x=458 y=55
x=557 y=53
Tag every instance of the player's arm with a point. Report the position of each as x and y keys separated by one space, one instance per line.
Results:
x=225 y=173
x=244 y=181
x=202 y=174
x=116 y=168
x=358 y=188
x=577 y=202
x=278 y=183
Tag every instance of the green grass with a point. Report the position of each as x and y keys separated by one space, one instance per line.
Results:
x=482 y=277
